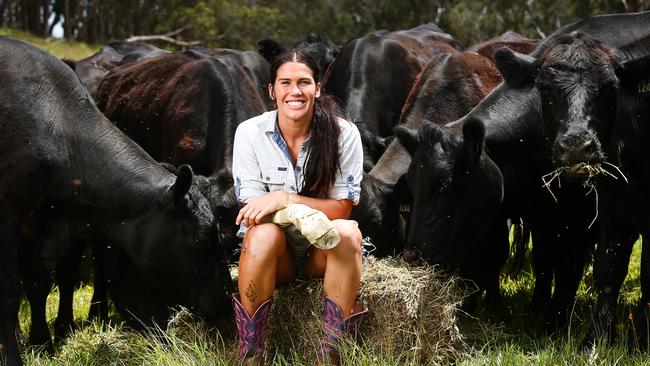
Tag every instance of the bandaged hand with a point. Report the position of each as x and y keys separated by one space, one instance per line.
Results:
x=312 y=224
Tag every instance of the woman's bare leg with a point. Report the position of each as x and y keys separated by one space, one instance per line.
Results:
x=340 y=266
x=265 y=261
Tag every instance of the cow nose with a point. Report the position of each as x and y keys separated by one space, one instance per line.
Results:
x=410 y=256
x=576 y=149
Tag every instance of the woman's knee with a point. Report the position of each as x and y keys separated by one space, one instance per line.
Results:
x=350 y=236
x=264 y=240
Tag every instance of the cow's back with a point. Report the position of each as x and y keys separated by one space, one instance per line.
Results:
x=372 y=75
x=181 y=107
x=36 y=93
x=628 y=33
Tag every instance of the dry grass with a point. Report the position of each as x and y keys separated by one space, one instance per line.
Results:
x=585 y=171
x=412 y=315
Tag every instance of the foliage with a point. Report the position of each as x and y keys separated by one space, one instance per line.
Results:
x=241 y=23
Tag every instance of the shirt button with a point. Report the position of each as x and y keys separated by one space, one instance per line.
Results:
x=292 y=188
x=267 y=178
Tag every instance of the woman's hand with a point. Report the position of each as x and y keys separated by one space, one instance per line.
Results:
x=257 y=209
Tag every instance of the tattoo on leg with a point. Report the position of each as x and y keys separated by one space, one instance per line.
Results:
x=251 y=292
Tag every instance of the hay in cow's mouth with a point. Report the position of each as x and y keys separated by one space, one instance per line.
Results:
x=581 y=170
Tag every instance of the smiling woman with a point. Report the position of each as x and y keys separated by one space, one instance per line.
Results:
x=294 y=93
x=304 y=157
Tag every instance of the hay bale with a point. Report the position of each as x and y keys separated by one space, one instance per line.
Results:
x=412 y=314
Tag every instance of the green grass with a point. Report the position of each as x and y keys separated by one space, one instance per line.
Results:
x=58 y=47
x=508 y=336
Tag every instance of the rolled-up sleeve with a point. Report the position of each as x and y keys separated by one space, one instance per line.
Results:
x=348 y=181
x=245 y=168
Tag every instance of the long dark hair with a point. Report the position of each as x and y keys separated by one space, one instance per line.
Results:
x=323 y=161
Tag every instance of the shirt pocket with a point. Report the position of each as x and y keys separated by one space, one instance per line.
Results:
x=274 y=179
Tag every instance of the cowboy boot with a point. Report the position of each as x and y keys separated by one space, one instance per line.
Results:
x=251 y=331
x=337 y=328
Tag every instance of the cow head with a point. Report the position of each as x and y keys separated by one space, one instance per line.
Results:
x=321 y=49
x=219 y=190
x=577 y=84
x=454 y=185
x=174 y=255
x=373 y=146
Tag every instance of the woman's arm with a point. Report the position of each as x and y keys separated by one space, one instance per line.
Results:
x=258 y=209
x=333 y=208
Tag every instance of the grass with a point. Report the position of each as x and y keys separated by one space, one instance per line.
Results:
x=58 y=47
x=505 y=337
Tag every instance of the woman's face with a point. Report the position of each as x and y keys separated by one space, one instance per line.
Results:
x=294 y=91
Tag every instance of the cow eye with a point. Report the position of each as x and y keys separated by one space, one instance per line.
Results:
x=608 y=86
x=544 y=81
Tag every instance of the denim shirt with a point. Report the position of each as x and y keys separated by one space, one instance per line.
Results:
x=261 y=161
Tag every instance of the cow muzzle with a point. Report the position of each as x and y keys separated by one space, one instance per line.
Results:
x=410 y=255
x=575 y=151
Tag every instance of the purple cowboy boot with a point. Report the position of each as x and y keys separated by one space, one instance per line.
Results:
x=251 y=331
x=337 y=328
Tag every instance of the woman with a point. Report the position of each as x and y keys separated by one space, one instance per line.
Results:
x=300 y=153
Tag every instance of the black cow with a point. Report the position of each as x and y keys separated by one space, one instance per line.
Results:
x=321 y=49
x=449 y=86
x=449 y=200
x=373 y=75
x=92 y=69
x=63 y=162
x=516 y=142
x=183 y=108
x=593 y=86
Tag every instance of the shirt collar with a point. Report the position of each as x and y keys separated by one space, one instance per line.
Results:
x=271 y=123
x=271 y=126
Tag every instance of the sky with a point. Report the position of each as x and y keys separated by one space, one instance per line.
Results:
x=57 y=31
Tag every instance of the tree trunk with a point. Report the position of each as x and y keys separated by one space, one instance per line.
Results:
x=67 y=20
x=2 y=12
x=45 y=6
x=32 y=16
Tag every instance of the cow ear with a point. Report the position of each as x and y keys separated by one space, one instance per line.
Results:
x=269 y=49
x=515 y=67
x=474 y=137
x=634 y=71
x=408 y=138
x=182 y=184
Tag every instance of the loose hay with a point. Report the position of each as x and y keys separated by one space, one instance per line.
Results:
x=412 y=314
x=585 y=171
